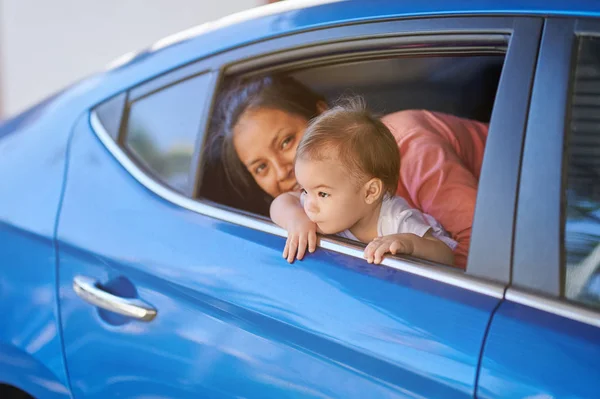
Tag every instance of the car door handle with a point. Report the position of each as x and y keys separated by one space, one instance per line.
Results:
x=88 y=289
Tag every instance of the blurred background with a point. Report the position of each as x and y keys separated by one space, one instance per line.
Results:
x=47 y=45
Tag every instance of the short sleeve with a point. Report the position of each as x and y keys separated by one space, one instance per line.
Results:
x=398 y=217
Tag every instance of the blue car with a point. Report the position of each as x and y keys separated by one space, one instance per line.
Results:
x=130 y=268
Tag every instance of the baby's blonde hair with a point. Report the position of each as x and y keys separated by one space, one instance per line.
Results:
x=350 y=134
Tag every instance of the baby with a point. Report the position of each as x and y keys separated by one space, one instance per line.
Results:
x=347 y=164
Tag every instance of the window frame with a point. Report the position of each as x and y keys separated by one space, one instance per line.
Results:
x=539 y=257
x=484 y=275
x=157 y=85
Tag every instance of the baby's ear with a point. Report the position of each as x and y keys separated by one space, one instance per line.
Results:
x=373 y=190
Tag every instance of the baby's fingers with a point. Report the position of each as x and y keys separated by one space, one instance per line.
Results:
x=293 y=246
x=286 y=248
x=302 y=243
x=383 y=248
x=396 y=247
x=312 y=241
x=370 y=251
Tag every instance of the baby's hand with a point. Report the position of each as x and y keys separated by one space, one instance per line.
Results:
x=302 y=232
x=394 y=244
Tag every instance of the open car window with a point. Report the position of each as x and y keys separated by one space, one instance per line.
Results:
x=458 y=85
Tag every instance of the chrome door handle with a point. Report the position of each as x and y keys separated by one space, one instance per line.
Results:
x=88 y=290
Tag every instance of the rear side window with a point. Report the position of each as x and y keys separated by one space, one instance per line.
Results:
x=162 y=129
x=110 y=114
x=582 y=227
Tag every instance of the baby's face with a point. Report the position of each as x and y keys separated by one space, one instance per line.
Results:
x=332 y=199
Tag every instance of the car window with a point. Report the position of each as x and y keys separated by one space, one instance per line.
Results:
x=162 y=129
x=463 y=86
x=437 y=79
x=110 y=113
x=582 y=227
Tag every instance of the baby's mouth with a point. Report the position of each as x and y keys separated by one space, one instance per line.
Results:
x=314 y=221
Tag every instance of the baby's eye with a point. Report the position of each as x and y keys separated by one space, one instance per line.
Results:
x=303 y=191
x=323 y=194
x=286 y=142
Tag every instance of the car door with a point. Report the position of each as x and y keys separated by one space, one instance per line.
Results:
x=166 y=294
x=544 y=340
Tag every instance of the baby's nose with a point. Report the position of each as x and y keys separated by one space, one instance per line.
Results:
x=310 y=205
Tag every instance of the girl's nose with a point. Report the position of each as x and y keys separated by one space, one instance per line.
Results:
x=283 y=169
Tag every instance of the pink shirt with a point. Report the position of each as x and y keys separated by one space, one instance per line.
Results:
x=440 y=162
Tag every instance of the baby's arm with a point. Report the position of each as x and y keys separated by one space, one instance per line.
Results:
x=426 y=247
x=287 y=212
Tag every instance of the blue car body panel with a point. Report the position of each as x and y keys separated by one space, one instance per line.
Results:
x=32 y=167
x=234 y=318
x=533 y=354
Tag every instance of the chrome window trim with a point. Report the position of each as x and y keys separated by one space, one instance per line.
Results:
x=554 y=306
x=454 y=278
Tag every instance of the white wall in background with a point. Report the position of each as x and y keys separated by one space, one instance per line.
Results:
x=47 y=45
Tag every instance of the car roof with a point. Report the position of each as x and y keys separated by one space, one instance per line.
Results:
x=290 y=16
x=283 y=18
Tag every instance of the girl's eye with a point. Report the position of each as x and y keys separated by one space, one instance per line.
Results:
x=303 y=191
x=323 y=195
x=286 y=142
x=260 y=168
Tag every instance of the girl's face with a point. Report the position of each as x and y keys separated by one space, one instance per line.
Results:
x=265 y=140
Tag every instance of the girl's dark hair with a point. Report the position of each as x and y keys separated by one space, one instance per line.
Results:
x=275 y=91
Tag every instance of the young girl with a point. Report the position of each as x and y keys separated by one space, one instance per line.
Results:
x=347 y=166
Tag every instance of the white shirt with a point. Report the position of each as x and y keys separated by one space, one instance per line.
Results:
x=396 y=217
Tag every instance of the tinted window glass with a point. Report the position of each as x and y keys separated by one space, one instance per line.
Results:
x=110 y=114
x=582 y=230
x=163 y=127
